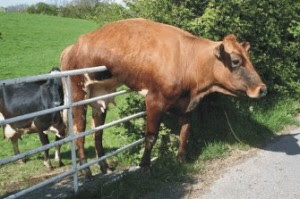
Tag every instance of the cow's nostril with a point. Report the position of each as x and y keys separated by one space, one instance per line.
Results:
x=263 y=91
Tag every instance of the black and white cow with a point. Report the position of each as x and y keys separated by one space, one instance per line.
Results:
x=20 y=99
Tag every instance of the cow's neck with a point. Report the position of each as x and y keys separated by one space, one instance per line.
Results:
x=201 y=72
x=201 y=68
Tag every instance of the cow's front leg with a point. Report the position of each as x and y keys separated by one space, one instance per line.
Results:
x=57 y=153
x=15 y=143
x=155 y=107
x=44 y=139
x=98 y=120
x=184 y=122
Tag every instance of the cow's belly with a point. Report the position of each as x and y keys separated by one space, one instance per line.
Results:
x=96 y=88
x=8 y=131
x=99 y=88
x=15 y=133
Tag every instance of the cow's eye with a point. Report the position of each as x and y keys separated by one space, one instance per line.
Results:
x=235 y=63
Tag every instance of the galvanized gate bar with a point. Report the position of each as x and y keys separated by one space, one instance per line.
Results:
x=41 y=184
x=68 y=93
x=102 y=97
x=72 y=171
x=69 y=138
x=72 y=137
x=60 y=108
x=52 y=75
x=31 y=115
x=111 y=154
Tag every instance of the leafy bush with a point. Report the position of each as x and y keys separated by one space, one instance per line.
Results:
x=272 y=27
x=42 y=8
x=105 y=13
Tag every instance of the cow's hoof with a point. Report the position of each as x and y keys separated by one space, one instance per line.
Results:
x=181 y=159
x=21 y=161
x=145 y=165
x=61 y=164
x=145 y=172
x=109 y=171
x=103 y=167
x=87 y=174
x=48 y=166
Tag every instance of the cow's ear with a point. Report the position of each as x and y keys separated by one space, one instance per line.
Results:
x=246 y=45
x=218 y=51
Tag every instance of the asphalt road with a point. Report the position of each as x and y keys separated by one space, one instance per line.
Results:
x=274 y=173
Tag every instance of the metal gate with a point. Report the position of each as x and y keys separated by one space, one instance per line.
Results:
x=71 y=137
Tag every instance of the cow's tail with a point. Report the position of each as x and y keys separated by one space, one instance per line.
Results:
x=65 y=64
x=65 y=58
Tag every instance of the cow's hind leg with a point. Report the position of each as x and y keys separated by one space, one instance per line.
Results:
x=79 y=114
x=98 y=120
x=57 y=153
x=69 y=62
x=155 y=107
x=15 y=143
x=44 y=139
x=79 y=119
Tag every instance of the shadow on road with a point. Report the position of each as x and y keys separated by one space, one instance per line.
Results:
x=287 y=144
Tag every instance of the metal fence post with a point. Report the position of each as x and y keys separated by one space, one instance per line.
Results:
x=71 y=133
x=68 y=104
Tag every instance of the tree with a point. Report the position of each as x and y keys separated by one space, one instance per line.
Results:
x=42 y=8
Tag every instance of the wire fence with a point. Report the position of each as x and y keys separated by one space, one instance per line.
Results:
x=71 y=136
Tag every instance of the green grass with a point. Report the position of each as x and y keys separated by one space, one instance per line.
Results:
x=32 y=44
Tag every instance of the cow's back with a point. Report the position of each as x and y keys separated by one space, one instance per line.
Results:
x=138 y=52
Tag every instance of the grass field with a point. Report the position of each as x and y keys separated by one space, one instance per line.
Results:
x=32 y=44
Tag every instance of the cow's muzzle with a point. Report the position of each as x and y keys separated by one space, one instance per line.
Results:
x=258 y=92
x=263 y=91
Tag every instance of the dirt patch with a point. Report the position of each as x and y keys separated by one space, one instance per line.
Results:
x=14 y=186
x=216 y=168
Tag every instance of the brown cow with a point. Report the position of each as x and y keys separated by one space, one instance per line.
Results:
x=175 y=67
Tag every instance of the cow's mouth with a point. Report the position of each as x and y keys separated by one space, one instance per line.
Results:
x=239 y=92
x=236 y=93
x=228 y=91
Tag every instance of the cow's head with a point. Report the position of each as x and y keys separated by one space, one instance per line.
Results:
x=234 y=71
x=54 y=90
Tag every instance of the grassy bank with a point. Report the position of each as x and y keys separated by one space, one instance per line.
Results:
x=211 y=138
